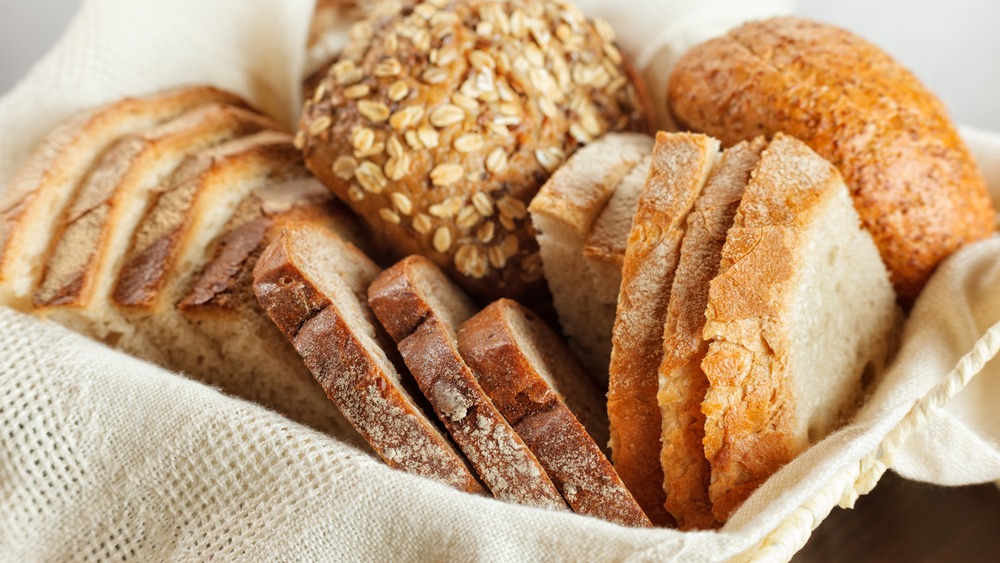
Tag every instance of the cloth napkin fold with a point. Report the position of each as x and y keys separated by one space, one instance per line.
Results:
x=105 y=457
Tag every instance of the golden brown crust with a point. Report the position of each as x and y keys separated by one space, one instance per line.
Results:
x=750 y=428
x=914 y=183
x=681 y=162
x=683 y=385
x=337 y=350
x=438 y=126
x=508 y=373
x=424 y=328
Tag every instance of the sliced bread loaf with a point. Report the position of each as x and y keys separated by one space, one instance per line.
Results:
x=680 y=165
x=32 y=205
x=563 y=214
x=799 y=316
x=313 y=285
x=538 y=386
x=421 y=309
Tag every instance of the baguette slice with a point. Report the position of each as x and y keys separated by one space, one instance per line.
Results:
x=801 y=314
x=563 y=213
x=32 y=205
x=86 y=257
x=680 y=166
x=220 y=305
x=313 y=286
x=682 y=383
x=421 y=309
x=537 y=385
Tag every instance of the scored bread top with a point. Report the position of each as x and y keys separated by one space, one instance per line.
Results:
x=198 y=200
x=421 y=309
x=100 y=220
x=680 y=165
x=531 y=377
x=682 y=383
x=313 y=286
x=32 y=204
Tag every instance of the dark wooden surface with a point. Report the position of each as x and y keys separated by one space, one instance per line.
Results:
x=905 y=521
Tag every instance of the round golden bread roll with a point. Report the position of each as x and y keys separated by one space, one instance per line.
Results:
x=441 y=120
x=914 y=183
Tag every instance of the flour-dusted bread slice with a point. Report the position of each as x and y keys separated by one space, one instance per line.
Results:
x=99 y=223
x=421 y=309
x=682 y=384
x=32 y=205
x=537 y=384
x=563 y=214
x=801 y=314
x=220 y=305
x=680 y=165
x=313 y=285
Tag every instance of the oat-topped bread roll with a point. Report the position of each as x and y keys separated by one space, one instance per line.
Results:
x=440 y=121
x=913 y=181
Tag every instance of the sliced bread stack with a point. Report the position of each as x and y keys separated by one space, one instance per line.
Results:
x=139 y=224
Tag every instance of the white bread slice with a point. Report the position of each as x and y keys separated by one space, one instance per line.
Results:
x=538 y=386
x=682 y=383
x=680 y=165
x=800 y=315
x=32 y=205
x=86 y=256
x=313 y=285
x=421 y=309
x=563 y=213
x=220 y=305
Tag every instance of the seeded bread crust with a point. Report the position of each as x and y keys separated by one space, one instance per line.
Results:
x=680 y=165
x=914 y=183
x=438 y=126
x=683 y=385
x=423 y=325
x=323 y=313
x=531 y=377
x=32 y=204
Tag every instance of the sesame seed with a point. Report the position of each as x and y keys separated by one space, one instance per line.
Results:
x=398 y=90
x=344 y=167
x=370 y=177
x=406 y=117
x=355 y=194
x=441 y=239
x=362 y=139
x=446 y=174
x=422 y=224
x=446 y=114
x=377 y=112
x=470 y=142
x=356 y=91
x=467 y=217
x=401 y=203
x=512 y=207
x=496 y=161
x=428 y=136
x=388 y=215
x=388 y=67
x=485 y=232
x=320 y=124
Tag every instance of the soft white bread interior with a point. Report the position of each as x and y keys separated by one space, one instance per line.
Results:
x=314 y=285
x=800 y=316
x=563 y=214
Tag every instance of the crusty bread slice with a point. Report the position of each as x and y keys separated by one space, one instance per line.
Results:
x=800 y=315
x=86 y=256
x=32 y=205
x=680 y=165
x=682 y=383
x=563 y=213
x=313 y=286
x=421 y=309
x=537 y=385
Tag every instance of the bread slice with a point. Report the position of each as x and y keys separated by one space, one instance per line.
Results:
x=32 y=205
x=680 y=165
x=563 y=213
x=313 y=286
x=800 y=315
x=421 y=309
x=86 y=256
x=537 y=385
x=221 y=308
x=682 y=384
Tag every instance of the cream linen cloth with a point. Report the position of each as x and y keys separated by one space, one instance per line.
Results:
x=105 y=457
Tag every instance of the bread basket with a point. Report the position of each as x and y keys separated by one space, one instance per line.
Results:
x=104 y=456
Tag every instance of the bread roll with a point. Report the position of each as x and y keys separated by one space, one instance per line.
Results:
x=913 y=181
x=438 y=126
